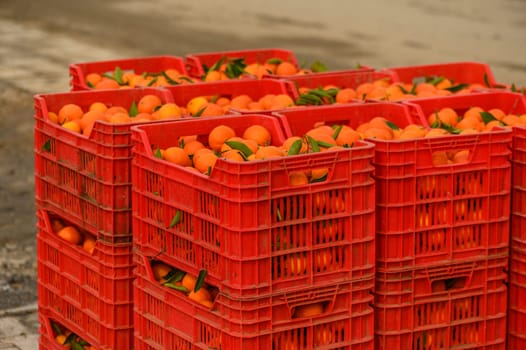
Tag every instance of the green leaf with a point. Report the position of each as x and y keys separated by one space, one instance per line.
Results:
x=487 y=117
x=173 y=276
x=46 y=147
x=70 y=338
x=76 y=346
x=295 y=148
x=318 y=67
x=274 y=60
x=333 y=92
x=158 y=153
x=176 y=287
x=403 y=89
x=214 y=98
x=109 y=76
x=133 y=110
x=168 y=79
x=200 y=280
x=322 y=94
x=118 y=75
x=56 y=328
x=199 y=112
x=457 y=88
x=436 y=124
x=205 y=68
x=450 y=129
x=208 y=171
x=324 y=144
x=240 y=146
x=90 y=85
x=337 y=130
x=320 y=179
x=436 y=80
x=182 y=77
x=358 y=65
x=413 y=89
x=486 y=80
x=182 y=143
x=513 y=88
x=176 y=219
x=144 y=74
x=392 y=125
x=278 y=214
x=153 y=81
x=313 y=144
x=216 y=65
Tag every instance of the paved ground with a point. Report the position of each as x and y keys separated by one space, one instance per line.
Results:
x=38 y=39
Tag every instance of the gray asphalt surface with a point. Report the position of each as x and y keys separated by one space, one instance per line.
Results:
x=38 y=39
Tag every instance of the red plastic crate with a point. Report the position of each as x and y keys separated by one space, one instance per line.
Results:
x=518 y=194
x=458 y=72
x=446 y=213
x=90 y=294
x=462 y=304
x=87 y=179
x=517 y=292
x=235 y=223
x=110 y=338
x=139 y=65
x=341 y=79
x=195 y=62
x=255 y=89
x=163 y=315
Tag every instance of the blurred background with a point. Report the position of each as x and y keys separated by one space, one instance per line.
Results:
x=39 y=39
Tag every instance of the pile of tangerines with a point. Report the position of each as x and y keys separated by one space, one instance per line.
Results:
x=384 y=90
x=68 y=339
x=128 y=79
x=193 y=286
x=73 y=235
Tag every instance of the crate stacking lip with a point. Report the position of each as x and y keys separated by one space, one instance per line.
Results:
x=195 y=61
x=459 y=72
x=149 y=64
x=255 y=89
x=462 y=304
x=245 y=224
x=87 y=179
x=164 y=316
x=90 y=294
x=446 y=212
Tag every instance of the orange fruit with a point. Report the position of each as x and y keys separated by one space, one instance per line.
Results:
x=189 y=282
x=73 y=126
x=219 y=135
x=240 y=102
x=474 y=112
x=308 y=310
x=281 y=101
x=56 y=225
x=345 y=95
x=436 y=132
x=470 y=123
x=212 y=110
x=268 y=152
x=160 y=270
x=378 y=133
x=290 y=141
x=298 y=178
x=177 y=155
x=204 y=160
x=511 y=120
x=286 y=68
x=106 y=83
x=461 y=156
x=93 y=78
x=257 y=133
x=193 y=146
x=53 y=117
x=69 y=112
x=169 y=111
x=201 y=295
x=148 y=103
x=347 y=136
x=89 y=243
x=234 y=155
x=70 y=234
x=497 y=113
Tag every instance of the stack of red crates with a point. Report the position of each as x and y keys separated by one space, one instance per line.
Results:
x=270 y=249
x=441 y=231
x=517 y=305
x=85 y=182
